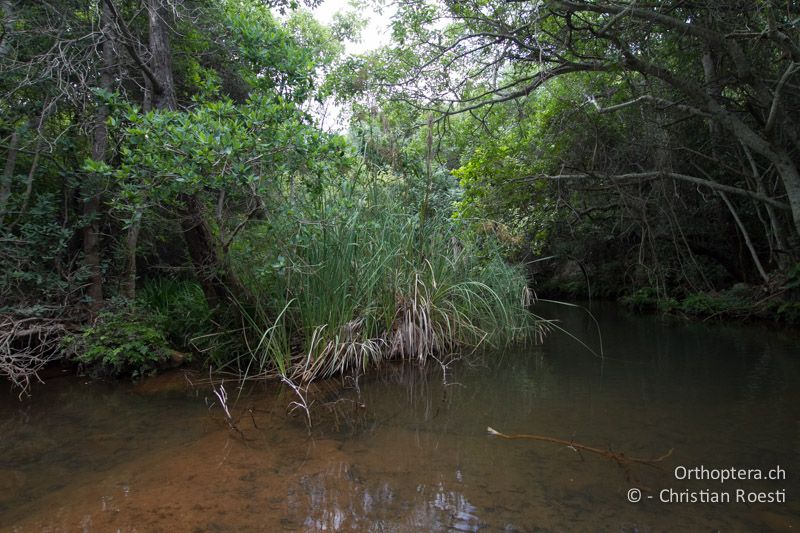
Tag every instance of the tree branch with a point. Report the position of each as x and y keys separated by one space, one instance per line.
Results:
x=129 y=38
x=746 y=235
x=619 y=458
x=526 y=90
x=658 y=174
x=644 y=14
x=776 y=99
x=227 y=242
x=649 y=99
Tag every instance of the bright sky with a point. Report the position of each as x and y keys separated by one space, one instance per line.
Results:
x=377 y=32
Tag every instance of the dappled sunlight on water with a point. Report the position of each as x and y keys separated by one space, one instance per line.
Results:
x=407 y=450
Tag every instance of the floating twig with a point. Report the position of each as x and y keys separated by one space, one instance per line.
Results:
x=621 y=459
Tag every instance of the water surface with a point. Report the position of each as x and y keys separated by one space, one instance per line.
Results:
x=407 y=449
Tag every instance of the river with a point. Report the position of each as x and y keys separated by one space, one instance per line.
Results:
x=406 y=449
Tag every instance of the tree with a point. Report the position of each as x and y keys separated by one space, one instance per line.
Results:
x=715 y=81
x=78 y=79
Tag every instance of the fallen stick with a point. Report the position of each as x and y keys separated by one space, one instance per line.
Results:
x=620 y=458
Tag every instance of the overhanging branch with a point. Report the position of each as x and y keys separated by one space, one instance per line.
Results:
x=646 y=98
x=538 y=81
x=657 y=174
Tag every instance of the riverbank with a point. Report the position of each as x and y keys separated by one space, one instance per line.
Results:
x=777 y=302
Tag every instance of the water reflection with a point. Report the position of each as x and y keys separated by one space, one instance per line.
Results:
x=406 y=449
x=339 y=499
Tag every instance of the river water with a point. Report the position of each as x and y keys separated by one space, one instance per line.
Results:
x=407 y=449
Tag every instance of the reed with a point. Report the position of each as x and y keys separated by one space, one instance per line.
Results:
x=364 y=283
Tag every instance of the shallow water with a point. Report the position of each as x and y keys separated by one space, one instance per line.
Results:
x=407 y=449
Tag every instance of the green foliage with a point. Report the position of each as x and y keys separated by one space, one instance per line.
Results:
x=504 y=155
x=28 y=257
x=124 y=340
x=359 y=281
x=181 y=309
x=557 y=119
x=649 y=299
x=391 y=240
x=788 y=312
x=703 y=304
x=268 y=58
x=217 y=146
x=793 y=278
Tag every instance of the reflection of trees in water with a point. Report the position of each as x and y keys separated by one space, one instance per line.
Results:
x=340 y=498
x=435 y=397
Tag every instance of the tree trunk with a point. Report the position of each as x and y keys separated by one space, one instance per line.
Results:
x=92 y=185
x=8 y=26
x=713 y=90
x=780 y=255
x=212 y=271
x=7 y=179
x=159 y=94
x=218 y=282
x=26 y=198
x=163 y=96
x=791 y=182
x=131 y=243
x=787 y=170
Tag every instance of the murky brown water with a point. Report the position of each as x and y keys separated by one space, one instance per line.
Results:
x=407 y=450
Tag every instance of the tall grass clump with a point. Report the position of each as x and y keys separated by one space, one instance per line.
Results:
x=362 y=278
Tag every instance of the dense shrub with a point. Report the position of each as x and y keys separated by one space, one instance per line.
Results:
x=124 y=340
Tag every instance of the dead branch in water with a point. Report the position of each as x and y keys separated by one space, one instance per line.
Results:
x=620 y=458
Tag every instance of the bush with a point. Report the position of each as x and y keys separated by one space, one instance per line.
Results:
x=29 y=256
x=124 y=340
x=181 y=307
x=648 y=299
x=702 y=304
x=788 y=312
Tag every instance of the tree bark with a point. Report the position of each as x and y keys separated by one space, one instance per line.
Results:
x=163 y=93
x=219 y=283
x=131 y=243
x=212 y=271
x=7 y=179
x=791 y=182
x=8 y=26
x=92 y=185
